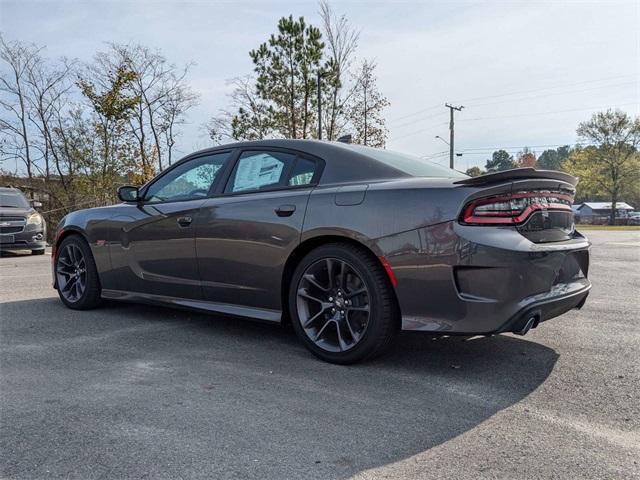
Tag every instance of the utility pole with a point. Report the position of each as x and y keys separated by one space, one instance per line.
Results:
x=451 y=109
x=319 y=106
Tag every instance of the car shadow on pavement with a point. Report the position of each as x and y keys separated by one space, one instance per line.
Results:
x=130 y=391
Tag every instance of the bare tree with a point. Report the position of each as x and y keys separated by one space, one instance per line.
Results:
x=366 y=108
x=164 y=98
x=180 y=98
x=48 y=93
x=253 y=120
x=341 y=42
x=15 y=143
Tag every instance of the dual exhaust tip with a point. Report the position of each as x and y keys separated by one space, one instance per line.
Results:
x=530 y=322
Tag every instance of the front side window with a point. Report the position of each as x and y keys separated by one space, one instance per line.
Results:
x=260 y=170
x=189 y=181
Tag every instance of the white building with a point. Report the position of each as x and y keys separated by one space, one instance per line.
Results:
x=598 y=209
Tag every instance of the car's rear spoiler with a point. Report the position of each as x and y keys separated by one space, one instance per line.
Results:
x=518 y=174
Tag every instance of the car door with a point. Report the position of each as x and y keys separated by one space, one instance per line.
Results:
x=245 y=234
x=155 y=252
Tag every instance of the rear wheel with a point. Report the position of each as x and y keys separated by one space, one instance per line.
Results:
x=76 y=274
x=342 y=304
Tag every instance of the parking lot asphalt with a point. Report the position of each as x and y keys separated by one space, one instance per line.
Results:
x=128 y=391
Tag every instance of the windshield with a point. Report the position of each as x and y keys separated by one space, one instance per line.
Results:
x=409 y=164
x=13 y=200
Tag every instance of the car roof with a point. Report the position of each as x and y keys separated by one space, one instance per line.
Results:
x=342 y=164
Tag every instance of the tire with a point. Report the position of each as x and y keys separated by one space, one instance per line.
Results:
x=89 y=297
x=311 y=282
x=37 y=252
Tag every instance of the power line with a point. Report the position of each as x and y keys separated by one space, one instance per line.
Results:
x=422 y=130
x=514 y=147
x=550 y=113
x=412 y=122
x=551 y=94
x=469 y=100
x=434 y=155
x=415 y=113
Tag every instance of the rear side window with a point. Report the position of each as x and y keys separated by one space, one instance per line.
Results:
x=409 y=164
x=303 y=172
x=266 y=170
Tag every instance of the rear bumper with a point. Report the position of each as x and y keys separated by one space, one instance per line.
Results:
x=453 y=279
x=547 y=308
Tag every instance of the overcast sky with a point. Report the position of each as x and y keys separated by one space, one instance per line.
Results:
x=526 y=71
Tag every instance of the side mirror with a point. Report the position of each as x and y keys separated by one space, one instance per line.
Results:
x=36 y=204
x=128 y=193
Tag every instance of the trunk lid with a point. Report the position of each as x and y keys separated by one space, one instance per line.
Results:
x=518 y=174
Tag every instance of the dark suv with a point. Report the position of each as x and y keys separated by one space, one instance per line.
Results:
x=21 y=226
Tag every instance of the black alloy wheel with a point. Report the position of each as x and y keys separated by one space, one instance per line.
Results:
x=71 y=273
x=76 y=275
x=333 y=305
x=342 y=304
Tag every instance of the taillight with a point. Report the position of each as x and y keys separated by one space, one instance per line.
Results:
x=514 y=208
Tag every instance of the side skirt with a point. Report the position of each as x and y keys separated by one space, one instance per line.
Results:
x=263 y=314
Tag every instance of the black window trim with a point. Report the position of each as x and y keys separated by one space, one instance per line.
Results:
x=317 y=174
x=195 y=156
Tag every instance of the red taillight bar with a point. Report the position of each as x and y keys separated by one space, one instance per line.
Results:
x=512 y=217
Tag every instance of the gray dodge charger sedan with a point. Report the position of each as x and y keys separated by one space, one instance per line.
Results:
x=348 y=243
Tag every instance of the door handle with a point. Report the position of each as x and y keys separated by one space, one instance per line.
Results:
x=285 y=210
x=184 y=221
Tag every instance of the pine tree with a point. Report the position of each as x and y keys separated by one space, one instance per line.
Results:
x=287 y=70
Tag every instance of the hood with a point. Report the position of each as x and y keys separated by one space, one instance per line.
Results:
x=16 y=212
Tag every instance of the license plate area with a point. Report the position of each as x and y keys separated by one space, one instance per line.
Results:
x=574 y=267
x=7 y=239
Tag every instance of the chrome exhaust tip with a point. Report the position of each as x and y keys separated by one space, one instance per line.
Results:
x=531 y=321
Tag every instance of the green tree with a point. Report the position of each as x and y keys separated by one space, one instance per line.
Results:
x=287 y=68
x=474 y=171
x=553 y=159
x=526 y=158
x=281 y=99
x=500 y=160
x=610 y=166
x=111 y=96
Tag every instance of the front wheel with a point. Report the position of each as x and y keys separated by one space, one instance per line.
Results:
x=76 y=274
x=342 y=304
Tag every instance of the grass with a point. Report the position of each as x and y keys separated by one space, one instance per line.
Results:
x=606 y=227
